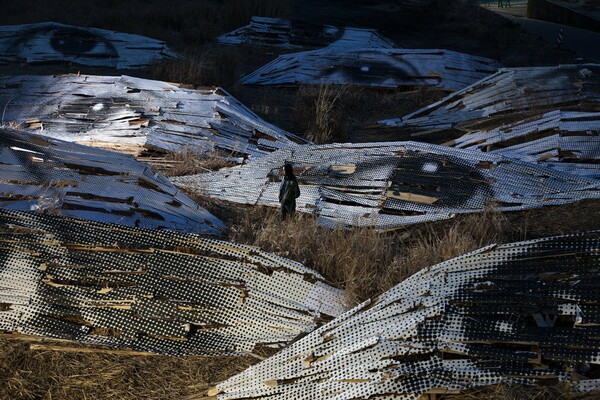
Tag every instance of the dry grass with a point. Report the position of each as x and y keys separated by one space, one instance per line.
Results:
x=516 y=392
x=188 y=162
x=363 y=261
x=32 y=374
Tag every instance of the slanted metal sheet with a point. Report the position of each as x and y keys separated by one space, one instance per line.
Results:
x=50 y=42
x=510 y=95
x=561 y=140
x=52 y=176
x=388 y=185
x=389 y=68
x=288 y=34
x=152 y=291
x=524 y=313
x=130 y=114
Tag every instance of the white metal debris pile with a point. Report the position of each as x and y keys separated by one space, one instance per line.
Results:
x=52 y=176
x=289 y=34
x=388 y=68
x=50 y=42
x=152 y=291
x=388 y=185
x=524 y=313
x=562 y=140
x=131 y=114
x=510 y=95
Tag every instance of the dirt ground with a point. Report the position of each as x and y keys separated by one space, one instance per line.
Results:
x=189 y=26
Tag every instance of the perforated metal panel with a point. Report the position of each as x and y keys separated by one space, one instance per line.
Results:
x=388 y=185
x=288 y=34
x=510 y=95
x=129 y=114
x=49 y=42
x=522 y=312
x=152 y=291
x=46 y=175
x=565 y=141
x=390 y=68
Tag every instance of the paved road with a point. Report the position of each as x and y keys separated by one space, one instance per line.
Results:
x=586 y=44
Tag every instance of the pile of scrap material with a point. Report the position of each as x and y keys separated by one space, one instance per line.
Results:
x=289 y=34
x=510 y=95
x=563 y=140
x=388 y=185
x=131 y=114
x=50 y=42
x=524 y=313
x=51 y=176
x=152 y=291
x=386 y=68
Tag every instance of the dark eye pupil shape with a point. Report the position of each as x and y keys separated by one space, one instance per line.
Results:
x=73 y=41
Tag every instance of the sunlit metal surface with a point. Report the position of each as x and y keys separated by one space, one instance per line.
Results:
x=388 y=185
x=47 y=175
x=130 y=115
x=508 y=96
x=524 y=313
x=152 y=291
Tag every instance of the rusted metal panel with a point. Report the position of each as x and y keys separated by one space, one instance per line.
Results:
x=52 y=176
x=388 y=185
x=524 y=313
x=152 y=291
x=50 y=42
x=389 y=68
x=510 y=95
x=130 y=114
x=561 y=140
x=289 y=34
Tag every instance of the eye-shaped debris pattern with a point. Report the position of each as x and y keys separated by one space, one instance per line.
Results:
x=46 y=175
x=51 y=42
x=387 y=68
x=508 y=96
x=525 y=313
x=131 y=115
x=289 y=34
x=388 y=185
x=152 y=291
x=562 y=140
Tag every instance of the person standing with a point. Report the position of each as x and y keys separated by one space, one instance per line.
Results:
x=288 y=192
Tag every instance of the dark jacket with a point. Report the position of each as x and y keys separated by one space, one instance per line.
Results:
x=289 y=191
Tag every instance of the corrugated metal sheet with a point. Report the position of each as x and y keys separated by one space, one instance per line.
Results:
x=388 y=185
x=511 y=94
x=51 y=176
x=151 y=291
x=524 y=313
x=389 y=68
x=561 y=140
x=50 y=42
x=131 y=114
x=277 y=32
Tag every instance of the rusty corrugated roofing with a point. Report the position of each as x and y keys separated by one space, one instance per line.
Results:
x=49 y=42
x=152 y=291
x=524 y=313
x=52 y=176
